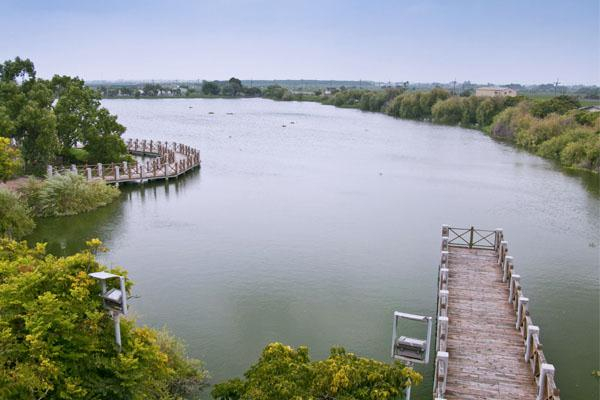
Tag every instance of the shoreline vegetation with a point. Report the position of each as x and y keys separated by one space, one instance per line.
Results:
x=58 y=121
x=552 y=127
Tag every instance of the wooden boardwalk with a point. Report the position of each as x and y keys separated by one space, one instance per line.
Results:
x=166 y=160
x=487 y=345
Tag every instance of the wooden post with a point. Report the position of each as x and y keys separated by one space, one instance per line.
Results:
x=514 y=280
x=442 y=332
x=471 y=238
x=100 y=172
x=531 y=331
x=443 y=276
x=444 y=259
x=444 y=298
x=508 y=262
x=445 y=230
x=521 y=310
x=445 y=243
x=441 y=372
x=498 y=238
x=547 y=371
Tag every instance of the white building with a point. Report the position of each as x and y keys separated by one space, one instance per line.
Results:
x=493 y=91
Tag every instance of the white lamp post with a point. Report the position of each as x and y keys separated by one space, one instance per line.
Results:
x=114 y=300
x=408 y=349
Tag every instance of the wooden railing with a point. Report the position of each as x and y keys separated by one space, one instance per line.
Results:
x=472 y=238
x=543 y=372
x=167 y=160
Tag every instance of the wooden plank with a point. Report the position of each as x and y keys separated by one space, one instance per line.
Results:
x=485 y=350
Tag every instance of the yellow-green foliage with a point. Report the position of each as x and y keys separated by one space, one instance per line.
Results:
x=11 y=162
x=573 y=139
x=285 y=373
x=67 y=194
x=15 y=217
x=57 y=340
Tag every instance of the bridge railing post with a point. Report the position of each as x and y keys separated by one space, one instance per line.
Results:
x=546 y=373
x=529 y=342
x=441 y=374
x=521 y=311
x=506 y=266
x=471 y=232
x=498 y=237
x=514 y=280
x=100 y=171
x=89 y=173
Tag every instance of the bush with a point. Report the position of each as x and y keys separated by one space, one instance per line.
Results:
x=507 y=123
x=449 y=111
x=11 y=162
x=285 y=373
x=540 y=130
x=57 y=339
x=558 y=105
x=15 y=217
x=67 y=194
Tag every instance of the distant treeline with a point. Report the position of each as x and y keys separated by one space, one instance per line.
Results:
x=555 y=128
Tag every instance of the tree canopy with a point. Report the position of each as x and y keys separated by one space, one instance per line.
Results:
x=57 y=340
x=48 y=118
x=285 y=373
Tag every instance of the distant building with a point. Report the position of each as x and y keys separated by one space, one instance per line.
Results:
x=492 y=91
x=590 y=108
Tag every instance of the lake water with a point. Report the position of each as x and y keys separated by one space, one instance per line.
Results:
x=314 y=233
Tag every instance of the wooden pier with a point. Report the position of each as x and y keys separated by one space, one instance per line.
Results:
x=167 y=160
x=487 y=344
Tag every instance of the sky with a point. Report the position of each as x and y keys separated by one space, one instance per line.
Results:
x=504 y=41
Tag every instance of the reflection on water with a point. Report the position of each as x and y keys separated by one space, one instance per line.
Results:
x=315 y=233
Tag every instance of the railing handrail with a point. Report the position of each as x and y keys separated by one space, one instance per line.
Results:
x=543 y=372
x=169 y=160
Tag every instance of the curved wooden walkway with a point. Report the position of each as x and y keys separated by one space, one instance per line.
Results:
x=167 y=160
x=488 y=347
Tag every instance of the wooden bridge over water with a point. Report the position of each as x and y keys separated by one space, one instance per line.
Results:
x=167 y=160
x=487 y=344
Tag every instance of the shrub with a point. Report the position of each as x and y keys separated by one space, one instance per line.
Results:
x=57 y=339
x=285 y=373
x=15 y=217
x=67 y=194
x=10 y=159
x=507 y=123
x=540 y=130
x=558 y=105
x=449 y=111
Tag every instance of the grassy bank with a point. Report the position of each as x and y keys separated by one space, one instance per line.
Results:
x=60 y=195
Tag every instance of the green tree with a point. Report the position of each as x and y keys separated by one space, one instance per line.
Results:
x=449 y=111
x=37 y=129
x=285 y=373
x=57 y=341
x=15 y=219
x=10 y=159
x=210 y=88
x=558 y=104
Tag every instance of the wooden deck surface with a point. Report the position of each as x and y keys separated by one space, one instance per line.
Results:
x=485 y=350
